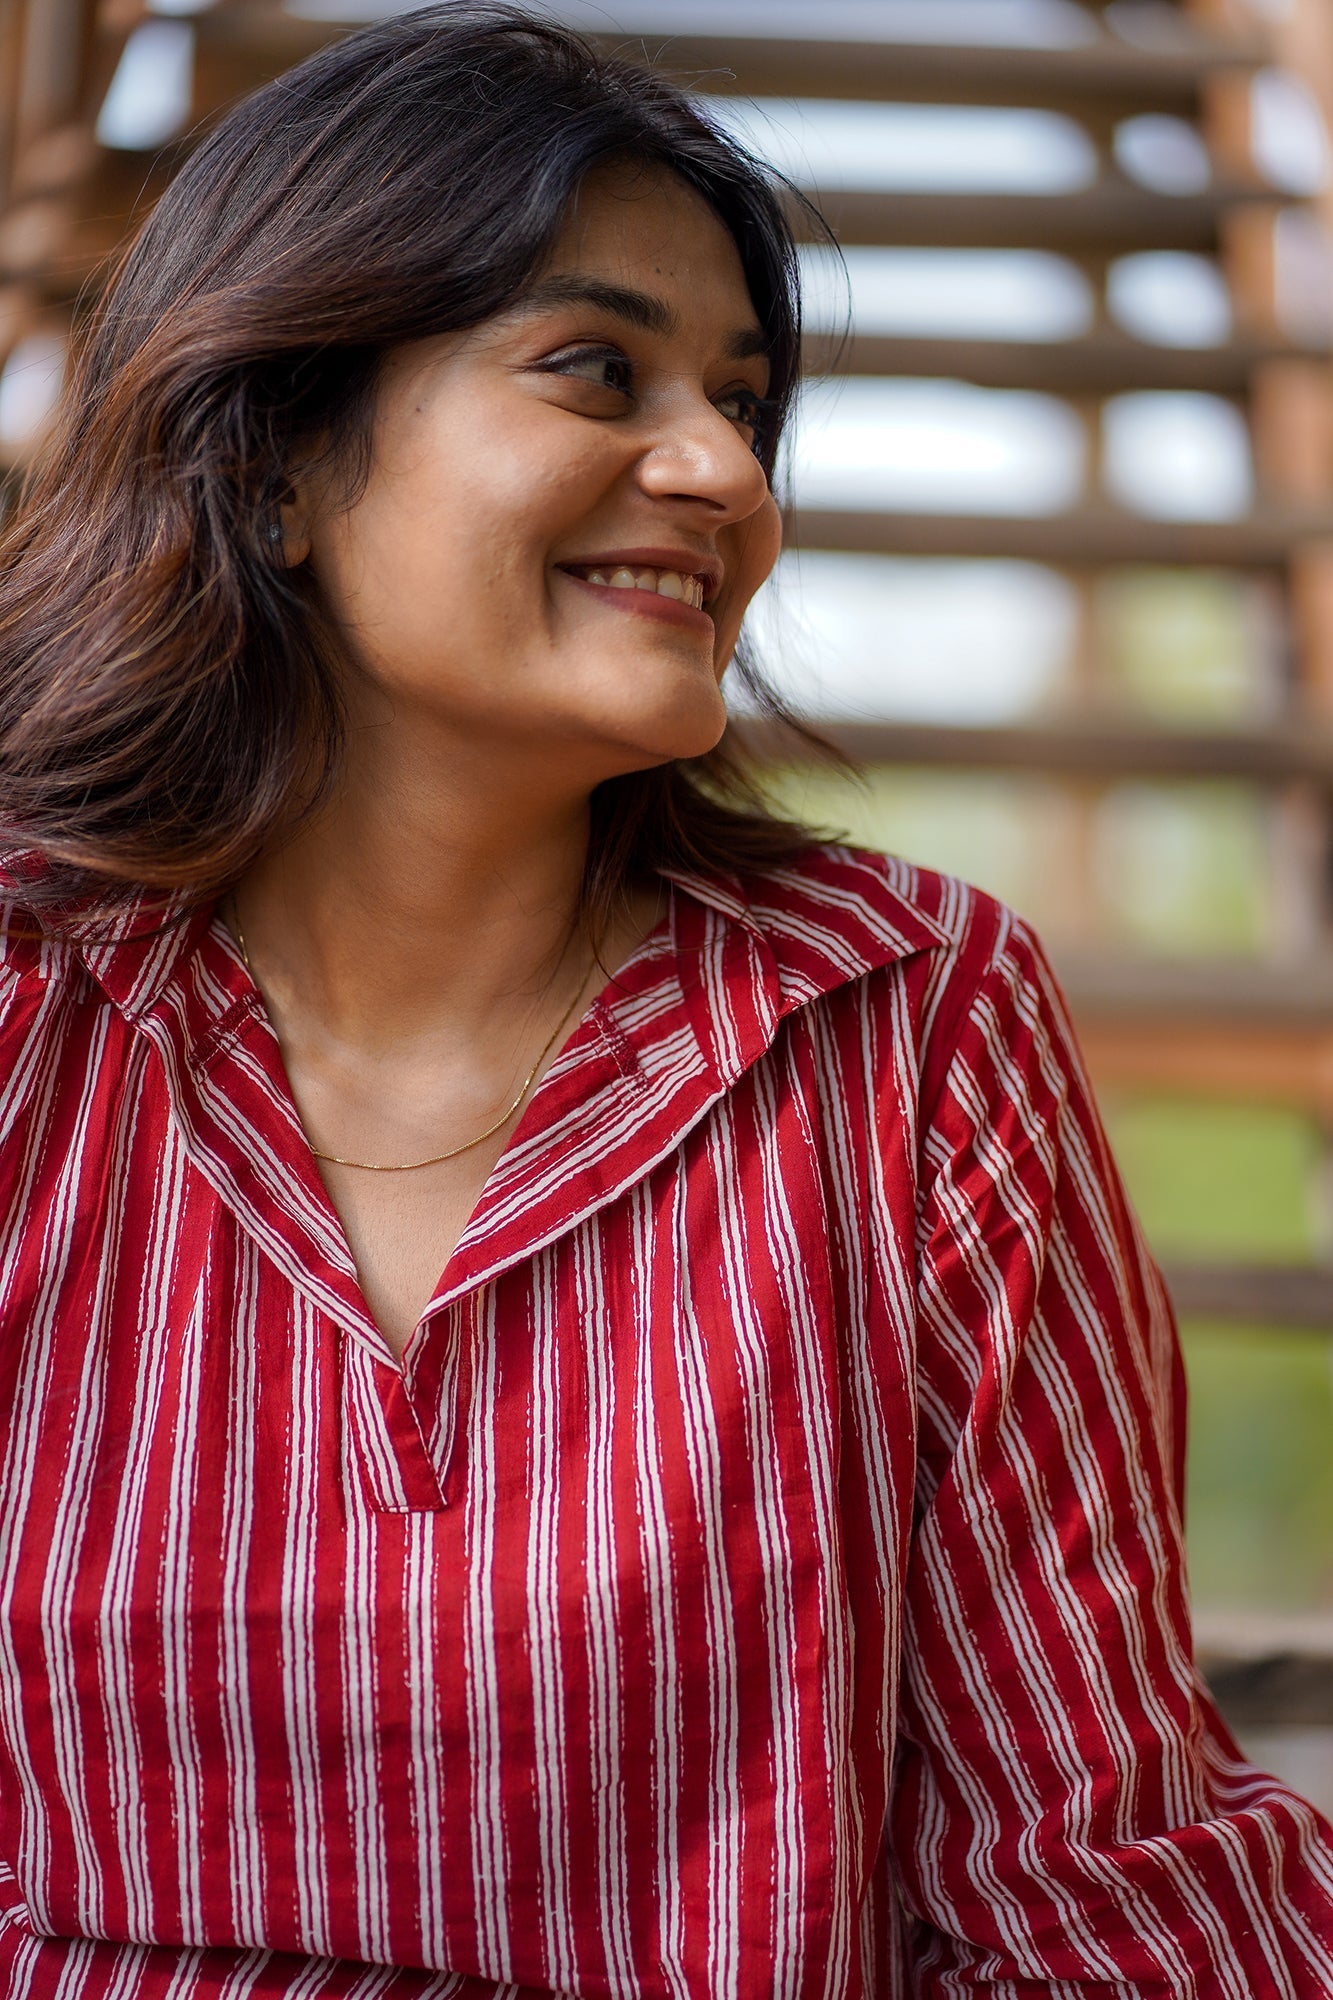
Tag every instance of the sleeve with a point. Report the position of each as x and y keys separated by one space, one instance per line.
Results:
x=1069 y=1815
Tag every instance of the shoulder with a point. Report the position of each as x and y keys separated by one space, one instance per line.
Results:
x=888 y=912
x=42 y=980
x=962 y=976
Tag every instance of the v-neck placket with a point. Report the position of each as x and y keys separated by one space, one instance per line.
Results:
x=238 y=1121
x=698 y=1001
x=600 y=1117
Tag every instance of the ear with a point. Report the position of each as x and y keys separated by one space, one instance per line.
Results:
x=292 y=520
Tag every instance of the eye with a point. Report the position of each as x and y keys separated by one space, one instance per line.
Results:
x=600 y=367
x=753 y=412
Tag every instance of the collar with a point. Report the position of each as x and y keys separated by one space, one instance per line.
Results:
x=694 y=1007
x=699 y=1002
x=834 y=914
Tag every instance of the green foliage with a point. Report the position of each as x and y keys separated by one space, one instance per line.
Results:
x=990 y=827
x=1182 y=868
x=1259 y=1509
x=1213 y=1180
x=1175 y=868
x=1171 y=868
x=1185 y=645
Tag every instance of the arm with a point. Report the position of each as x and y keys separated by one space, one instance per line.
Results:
x=1069 y=1815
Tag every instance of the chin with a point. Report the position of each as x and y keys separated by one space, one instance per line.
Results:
x=685 y=722
x=682 y=735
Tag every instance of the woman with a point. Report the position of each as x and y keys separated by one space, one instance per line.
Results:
x=753 y=1567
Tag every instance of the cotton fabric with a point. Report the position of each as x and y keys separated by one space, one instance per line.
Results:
x=762 y=1576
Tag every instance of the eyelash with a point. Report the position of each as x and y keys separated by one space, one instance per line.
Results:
x=762 y=410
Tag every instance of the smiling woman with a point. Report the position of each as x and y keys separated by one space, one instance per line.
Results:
x=264 y=322
x=581 y=1408
x=597 y=448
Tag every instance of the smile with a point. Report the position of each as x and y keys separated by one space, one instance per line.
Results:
x=673 y=584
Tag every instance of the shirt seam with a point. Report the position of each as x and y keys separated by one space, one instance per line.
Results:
x=619 y=1047
x=223 y=1033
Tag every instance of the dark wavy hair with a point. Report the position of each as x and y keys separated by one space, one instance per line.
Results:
x=169 y=693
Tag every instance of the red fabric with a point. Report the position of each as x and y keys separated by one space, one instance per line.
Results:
x=762 y=1577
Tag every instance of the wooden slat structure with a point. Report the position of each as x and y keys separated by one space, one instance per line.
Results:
x=1110 y=218
x=1116 y=75
x=1102 y=745
x=1094 y=536
x=1260 y=1028
x=1102 y=364
x=1261 y=1668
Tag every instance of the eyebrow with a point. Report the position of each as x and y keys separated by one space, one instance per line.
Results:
x=638 y=309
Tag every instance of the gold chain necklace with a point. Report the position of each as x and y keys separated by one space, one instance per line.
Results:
x=437 y=1159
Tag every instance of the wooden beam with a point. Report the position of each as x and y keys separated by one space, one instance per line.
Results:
x=59 y=243
x=1109 y=69
x=1112 y=216
x=1283 y=1688
x=57 y=44
x=1276 y=1295
x=1091 y=537
x=1193 y=995
x=1288 y=1062
x=1099 y=746
x=11 y=45
x=1268 y=1667
x=889 y=71
x=1100 y=364
x=34 y=237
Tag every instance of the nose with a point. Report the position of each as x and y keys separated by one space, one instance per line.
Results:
x=697 y=454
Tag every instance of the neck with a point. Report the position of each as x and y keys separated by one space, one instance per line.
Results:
x=403 y=903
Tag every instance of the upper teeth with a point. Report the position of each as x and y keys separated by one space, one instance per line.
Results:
x=675 y=583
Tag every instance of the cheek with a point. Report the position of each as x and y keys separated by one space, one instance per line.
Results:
x=482 y=498
x=759 y=551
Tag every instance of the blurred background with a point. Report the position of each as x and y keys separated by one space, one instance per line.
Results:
x=1060 y=573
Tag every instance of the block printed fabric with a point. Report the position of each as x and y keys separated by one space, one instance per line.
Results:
x=761 y=1579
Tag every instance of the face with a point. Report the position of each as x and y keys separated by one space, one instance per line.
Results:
x=565 y=517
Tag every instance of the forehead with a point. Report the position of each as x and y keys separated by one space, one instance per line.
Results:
x=645 y=226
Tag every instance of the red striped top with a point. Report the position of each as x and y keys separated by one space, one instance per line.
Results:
x=762 y=1576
